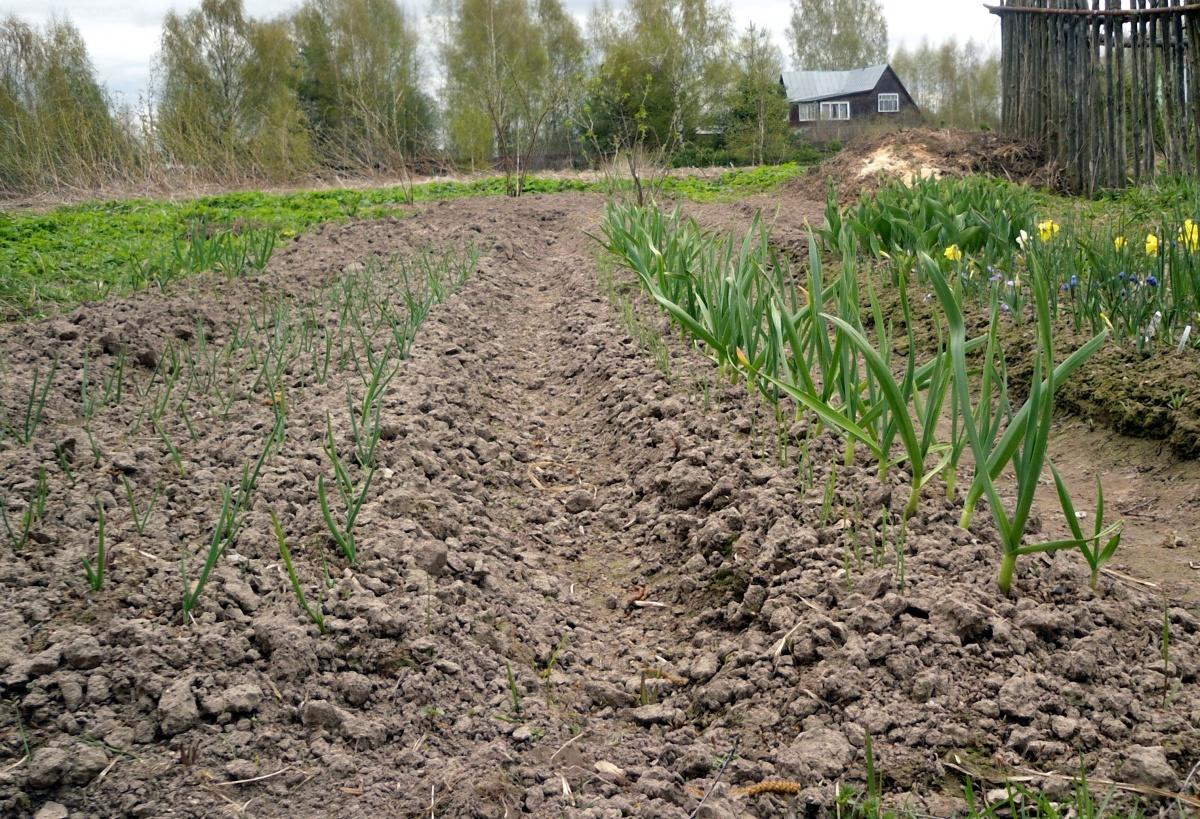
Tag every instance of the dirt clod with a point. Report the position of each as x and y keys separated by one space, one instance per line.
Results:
x=1148 y=766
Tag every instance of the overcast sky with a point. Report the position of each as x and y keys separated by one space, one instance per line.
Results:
x=123 y=37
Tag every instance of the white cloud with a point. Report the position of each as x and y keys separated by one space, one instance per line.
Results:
x=123 y=37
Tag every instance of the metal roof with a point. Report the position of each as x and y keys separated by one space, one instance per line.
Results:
x=809 y=86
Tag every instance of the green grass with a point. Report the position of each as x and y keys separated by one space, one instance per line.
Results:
x=733 y=184
x=55 y=260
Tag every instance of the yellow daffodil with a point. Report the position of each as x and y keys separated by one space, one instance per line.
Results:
x=1189 y=235
x=1119 y=243
x=953 y=253
x=1151 y=244
x=1047 y=229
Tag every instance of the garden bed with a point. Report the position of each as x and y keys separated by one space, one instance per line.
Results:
x=588 y=582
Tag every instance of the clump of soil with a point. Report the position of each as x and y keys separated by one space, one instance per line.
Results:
x=584 y=582
x=870 y=162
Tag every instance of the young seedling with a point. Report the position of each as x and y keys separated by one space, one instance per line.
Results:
x=314 y=613
x=35 y=509
x=229 y=522
x=172 y=450
x=140 y=518
x=216 y=546
x=114 y=385
x=514 y=693
x=35 y=403
x=1093 y=552
x=829 y=495
x=63 y=456
x=95 y=573
x=353 y=496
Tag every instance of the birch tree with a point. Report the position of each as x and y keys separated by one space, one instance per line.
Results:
x=837 y=35
x=515 y=63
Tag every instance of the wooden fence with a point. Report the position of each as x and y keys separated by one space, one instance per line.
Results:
x=1110 y=88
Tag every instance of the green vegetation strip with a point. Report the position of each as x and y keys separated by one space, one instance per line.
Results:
x=55 y=260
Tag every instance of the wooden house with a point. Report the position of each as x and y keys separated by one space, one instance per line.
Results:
x=845 y=101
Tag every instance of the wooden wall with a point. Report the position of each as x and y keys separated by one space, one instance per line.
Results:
x=1111 y=88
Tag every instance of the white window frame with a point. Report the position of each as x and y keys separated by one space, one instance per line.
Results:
x=894 y=108
x=807 y=111
x=833 y=111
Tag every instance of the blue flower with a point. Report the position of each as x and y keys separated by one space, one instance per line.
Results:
x=1121 y=275
x=1152 y=281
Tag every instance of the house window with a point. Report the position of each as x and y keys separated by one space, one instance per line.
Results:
x=806 y=111
x=889 y=103
x=835 y=110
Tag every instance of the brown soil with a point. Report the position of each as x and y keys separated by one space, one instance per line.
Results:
x=583 y=584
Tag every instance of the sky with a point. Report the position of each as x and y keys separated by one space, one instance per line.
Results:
x=123 y=37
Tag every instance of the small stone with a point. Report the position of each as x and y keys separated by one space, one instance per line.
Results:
x=704 y=667
x=83 y=653
x=177 y=707
x=821 y=753
x=48 y=767
x=239 y=769
x=322 y=714
x=695 y=565
x=658 y=714
x=1018 y=697
x=966 y=620
x=52 y=810
x=1047 y=622
x=432 y=557
x=89 y=761
x=1148 y=765
x=580 y=500
x=355 y=687
x=926 y=684
x=1064 y=727
x=522 y=733
x=44 y=662
x=753 y=599
x=244 y=698
x=239 y=592
x=72 y=693
x=687 y=484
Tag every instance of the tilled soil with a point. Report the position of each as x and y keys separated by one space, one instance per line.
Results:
x=589 y=585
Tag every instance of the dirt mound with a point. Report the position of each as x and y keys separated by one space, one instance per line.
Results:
x=917 y=153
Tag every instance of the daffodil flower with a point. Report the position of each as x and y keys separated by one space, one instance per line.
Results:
x=1189 y=235
x=953 y=253
x=1151 y=244
x=1119 y=243
x=1047 y=229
